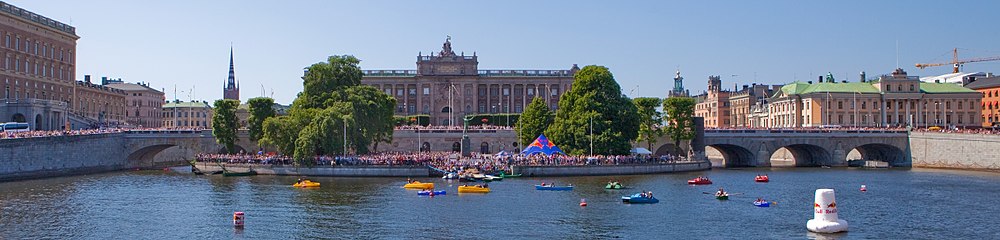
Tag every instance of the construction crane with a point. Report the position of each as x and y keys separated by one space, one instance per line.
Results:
x=956 y=63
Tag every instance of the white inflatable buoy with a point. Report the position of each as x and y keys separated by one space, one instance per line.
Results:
x=825 y=218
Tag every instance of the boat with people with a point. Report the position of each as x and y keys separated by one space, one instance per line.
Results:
x=761 y=178
x=614 y=185
x=474 y=189
x=700 y=181
x=450 y=176
x=431 y=192
x=305 y=184
x=418 y=185
x=642 y=197
x=761 y=203
x=721 y=194
x=552 y=187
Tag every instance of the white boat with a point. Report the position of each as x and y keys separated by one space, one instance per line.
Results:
x=450 y=176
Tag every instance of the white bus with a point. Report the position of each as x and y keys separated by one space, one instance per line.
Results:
x=15 y=127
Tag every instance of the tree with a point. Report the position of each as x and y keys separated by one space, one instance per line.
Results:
x=594 y=100
x=680 y=119
x=260 y=109
x=649 y=120
x=332 y=106
x=536 y=118
x=225 y=123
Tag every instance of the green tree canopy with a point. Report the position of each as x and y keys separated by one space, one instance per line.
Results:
x=536 y=118
x=595 y=97
x=225 y=123
x=332 y=106
x=260 y=109
x=649 y=120
x=680 y=119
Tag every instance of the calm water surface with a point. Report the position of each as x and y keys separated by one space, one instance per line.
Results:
x=900 y=204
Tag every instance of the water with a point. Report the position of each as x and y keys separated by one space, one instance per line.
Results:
x=899 y=204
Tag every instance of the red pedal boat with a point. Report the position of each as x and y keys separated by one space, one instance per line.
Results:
x=761 y=178
x=700 y=181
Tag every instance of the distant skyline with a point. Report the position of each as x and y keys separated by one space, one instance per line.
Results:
x=186 y=43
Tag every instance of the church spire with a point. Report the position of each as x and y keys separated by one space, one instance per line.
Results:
x=232 y=89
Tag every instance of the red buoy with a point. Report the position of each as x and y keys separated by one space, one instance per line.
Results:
x=583 y=202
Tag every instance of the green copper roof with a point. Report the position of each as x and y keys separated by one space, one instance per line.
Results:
x=825 y=87
x=926 y=87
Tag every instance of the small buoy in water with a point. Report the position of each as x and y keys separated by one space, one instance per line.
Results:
x=825 y=219
x=583 y=202
x=863 y=188
x=238 y=219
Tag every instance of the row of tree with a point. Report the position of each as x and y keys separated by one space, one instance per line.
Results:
x=594 y=117
x=335 y=114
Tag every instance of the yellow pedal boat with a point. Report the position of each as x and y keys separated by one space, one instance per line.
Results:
x=419 y=185
x=473 y=189
x=306 y=184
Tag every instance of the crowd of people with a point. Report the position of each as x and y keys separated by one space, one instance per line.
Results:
x=459 y=127
x=40 y=133
x=445 y=161
x=54 y=133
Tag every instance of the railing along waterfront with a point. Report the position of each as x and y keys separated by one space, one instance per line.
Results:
x=485 y=73
x=764 y=131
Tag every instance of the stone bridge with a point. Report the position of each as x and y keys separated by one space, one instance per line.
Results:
x=809 y=147
x=144 y=148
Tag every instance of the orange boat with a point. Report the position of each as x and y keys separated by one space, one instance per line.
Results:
x=700 y=181
x=761 y=178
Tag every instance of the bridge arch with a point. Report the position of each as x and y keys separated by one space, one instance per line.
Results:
x=144 y=156
x=879 y=152
x=735 y=155
x=666 y=149
x=807 y=155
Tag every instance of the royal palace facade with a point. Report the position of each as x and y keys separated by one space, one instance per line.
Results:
x=448 y=86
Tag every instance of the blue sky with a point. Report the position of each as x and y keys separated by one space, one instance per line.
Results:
x=186 y=43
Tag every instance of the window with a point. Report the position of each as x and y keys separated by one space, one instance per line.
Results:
x=413 y=91
x=427 y=91
x=840 y=105
x=555 y=92
x=911 y=87
x=531 y=92
x=506 y=91
x=388 y=91
x=399 y=92
x=899 y=88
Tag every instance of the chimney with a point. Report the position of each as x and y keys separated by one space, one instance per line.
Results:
x=863 y=76
x=820 y=79
x=86 y=78
x=809 y=82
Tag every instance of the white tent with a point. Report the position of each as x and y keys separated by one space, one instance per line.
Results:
x=641 y=151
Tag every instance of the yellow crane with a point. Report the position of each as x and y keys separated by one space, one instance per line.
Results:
x=956 y=63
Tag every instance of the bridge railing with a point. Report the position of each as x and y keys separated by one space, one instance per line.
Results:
x=782 y=131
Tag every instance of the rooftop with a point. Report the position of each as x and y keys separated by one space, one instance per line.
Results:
x=33 y=17
x=982 y=83
x=865 y=87
x=483 y=73
x=179 y=104
x=131 y=87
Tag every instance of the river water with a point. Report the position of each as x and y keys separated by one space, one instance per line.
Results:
x=899 y=204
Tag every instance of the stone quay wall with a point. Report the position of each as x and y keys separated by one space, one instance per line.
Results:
x=598 y=170
x=958 y=151
x=327 y=171
x=27 y=158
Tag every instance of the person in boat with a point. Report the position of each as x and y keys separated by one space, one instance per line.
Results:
x=649 y=194
x=409 y=180
x=299 y=181
x=759 y=200
x=720 y=193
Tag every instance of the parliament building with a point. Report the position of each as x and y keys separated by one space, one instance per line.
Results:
x=448 y=86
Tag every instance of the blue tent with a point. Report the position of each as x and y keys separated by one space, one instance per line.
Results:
x=543 y=146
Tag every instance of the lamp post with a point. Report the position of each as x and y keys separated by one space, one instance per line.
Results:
x=937 y=118
x=591 y=135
